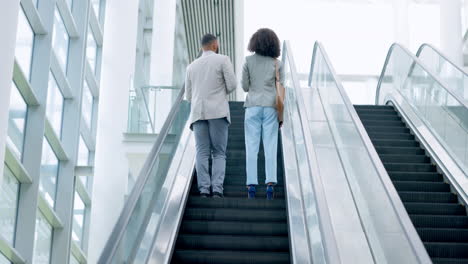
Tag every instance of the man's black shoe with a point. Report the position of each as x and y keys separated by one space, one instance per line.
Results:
x=217 y=195
x=204 y=195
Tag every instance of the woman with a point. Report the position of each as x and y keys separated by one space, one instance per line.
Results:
x=261 y=117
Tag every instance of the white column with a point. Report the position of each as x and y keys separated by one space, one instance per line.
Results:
x=400 y=14
x=111 y=164
x=8 y=24
x=239 y=45
x=451 y=38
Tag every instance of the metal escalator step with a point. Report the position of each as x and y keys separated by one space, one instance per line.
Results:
x=386 y=129
x=239 y=203
x=449 y=260
x=223 y=214
x=375 y=107
x=447 y=250
x=394 y=143
x=400 y=150
x=369 y=117
x=401 y=136
x=404 y=158
x=435 y=208
x=410 y=167
x=416 y=176
x=384 y=123
x=234 y=228
x=428 y=197
x=231 y=242
x=229 y=257
x=418 y=186
x=443 y=234
x=439 y=221
x=376 y=112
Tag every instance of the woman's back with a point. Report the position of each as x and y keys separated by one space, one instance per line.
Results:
x=258 y=79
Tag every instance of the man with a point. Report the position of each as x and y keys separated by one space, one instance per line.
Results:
x=209 y=80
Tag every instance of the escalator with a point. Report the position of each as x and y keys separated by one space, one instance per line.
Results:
x=356 y=184
x=440 y=220
x=235 y=229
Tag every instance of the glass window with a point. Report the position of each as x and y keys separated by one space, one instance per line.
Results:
x=8 y=205
x=16 y=121
x=4 y=260
x=83 y=153
x=54 y=106
x=42 y=240
x=49 y=171
x=73 y=260
x=60 y=40
x=24 y=44
x=91 y=49
x=87 y=105
x=70 y=3
x=96 y=7
x=78 y=219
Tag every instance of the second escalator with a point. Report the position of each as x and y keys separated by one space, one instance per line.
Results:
x=440 y=220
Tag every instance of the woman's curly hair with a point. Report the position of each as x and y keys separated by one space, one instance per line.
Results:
x=265 y=42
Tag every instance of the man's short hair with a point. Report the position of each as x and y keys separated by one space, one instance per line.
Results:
x=207 y=39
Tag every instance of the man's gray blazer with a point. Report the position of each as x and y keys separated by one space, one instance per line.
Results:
x=209 y=80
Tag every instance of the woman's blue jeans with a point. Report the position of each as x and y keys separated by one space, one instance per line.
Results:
x=261 y=122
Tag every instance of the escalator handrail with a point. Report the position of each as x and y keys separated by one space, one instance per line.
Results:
x=440 y=54
x=416 y=61
x=405 y=221
x=330 y=245
x=130 y=204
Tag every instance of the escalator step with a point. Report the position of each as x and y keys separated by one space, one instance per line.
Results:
x=231 y=242
x=416 y=176
x=367 y=117
x=400 y=151
x=449 y=261
x=394 y=143
x=410 y=167
x=246 y=215
x=386 y=129
x=439 y=221
x=443 y=234
x=435 y=208
x=416 y=186
x=384 y=123
x=236 y=203
x=375 y=107
x=229 y=257
x=405 y=158
x=234 y=228
x=402 y=136
x=429 y=197
x=447 y=250
x=376 y=112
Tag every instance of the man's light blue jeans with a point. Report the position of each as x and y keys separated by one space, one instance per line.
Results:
x=261 y=122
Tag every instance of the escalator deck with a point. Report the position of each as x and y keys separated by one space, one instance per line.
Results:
x=440 y=220
x=235 y=229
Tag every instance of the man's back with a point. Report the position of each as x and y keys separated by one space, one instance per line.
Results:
x=209 y=80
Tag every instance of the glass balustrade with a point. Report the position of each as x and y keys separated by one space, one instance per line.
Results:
x=451 y=75
x=440 y=108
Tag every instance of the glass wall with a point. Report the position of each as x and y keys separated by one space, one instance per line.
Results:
x=54 y=105
x=87 y=105
x=49 y=171
x=42 y=240
x=37 y=176
x=8 y=205
x=24 y=44
x=60 y=40
x=16 y=121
